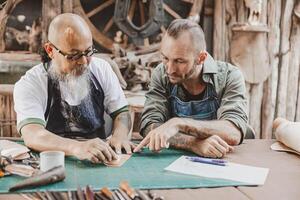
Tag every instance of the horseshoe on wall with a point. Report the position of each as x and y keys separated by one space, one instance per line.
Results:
x=156 y=16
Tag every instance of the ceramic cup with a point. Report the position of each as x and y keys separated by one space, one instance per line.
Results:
x=50 y=159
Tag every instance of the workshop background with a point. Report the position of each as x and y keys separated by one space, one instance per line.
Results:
x=261 y=37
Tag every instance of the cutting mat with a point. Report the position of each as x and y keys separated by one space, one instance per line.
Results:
x=143 y=170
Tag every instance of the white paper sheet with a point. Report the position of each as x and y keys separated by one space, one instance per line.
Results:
x=232 y=171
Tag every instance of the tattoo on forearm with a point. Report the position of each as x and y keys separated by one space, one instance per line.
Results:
x=199 y=132
x=180 y=141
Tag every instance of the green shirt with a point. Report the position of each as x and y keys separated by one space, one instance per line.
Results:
x=229 y=84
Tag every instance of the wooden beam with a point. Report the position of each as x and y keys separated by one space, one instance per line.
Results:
x=294 y=65
x=250 y=28
x=6 y=89
x=98 y=36
x=270 y=85
x=241 y=12
x=219 y=41
x=4 y=14
x=50 y=9
x=7 y=113
x=108 y=25
x=131 y=10
x=142 y=13
x=230 y=20
x=286 y=22
x=196 y=8
x=162 y=29
x=297 y=13
x=297 y=118
x=171 y=12
x=188 y=1
x=256 y=93
x=100 y=8
x=146 y=42
x=67 y=6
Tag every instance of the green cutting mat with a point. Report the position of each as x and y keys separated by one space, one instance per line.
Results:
x=143 y=170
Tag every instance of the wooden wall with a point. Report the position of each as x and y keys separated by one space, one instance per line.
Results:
x=267 y=53
x=7 y=113
x=273 y=84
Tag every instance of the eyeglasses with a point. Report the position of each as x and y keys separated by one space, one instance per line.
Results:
x=88 y=53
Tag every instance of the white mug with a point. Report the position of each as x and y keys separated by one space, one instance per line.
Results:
x=50 y=159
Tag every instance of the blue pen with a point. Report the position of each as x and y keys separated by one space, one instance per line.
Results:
x=208 y=161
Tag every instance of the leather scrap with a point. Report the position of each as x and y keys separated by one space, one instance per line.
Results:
x=122 y=158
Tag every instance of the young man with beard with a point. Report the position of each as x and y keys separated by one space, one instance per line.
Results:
x=66 y=96
x=194 y=102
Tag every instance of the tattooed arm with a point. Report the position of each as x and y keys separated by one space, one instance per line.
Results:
x=212 y=146
x=178 y=141
x=181 y=141
x=206 y=138
x=120 y=133
x=200 y=129
x=204 y=129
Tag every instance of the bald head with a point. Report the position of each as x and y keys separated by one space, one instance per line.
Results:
x=69 y=31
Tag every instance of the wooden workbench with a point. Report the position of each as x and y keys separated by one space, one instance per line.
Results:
x=283 y=181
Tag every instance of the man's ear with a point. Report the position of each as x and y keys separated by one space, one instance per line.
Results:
x=49 y=49
x=201 y=57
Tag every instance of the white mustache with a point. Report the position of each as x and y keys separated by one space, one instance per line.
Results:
x=75 y=87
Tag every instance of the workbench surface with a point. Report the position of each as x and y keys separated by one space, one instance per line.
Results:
x=283 y=181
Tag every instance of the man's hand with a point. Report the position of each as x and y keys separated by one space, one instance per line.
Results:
x=158 y=138
x=213 y=147
x=94 y=150
x=120 y=134
x=118 y=142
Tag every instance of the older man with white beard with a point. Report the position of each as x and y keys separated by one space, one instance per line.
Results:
x=65 y=97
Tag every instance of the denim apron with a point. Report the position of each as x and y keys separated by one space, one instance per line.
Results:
x=84 y=120
x=205 y=109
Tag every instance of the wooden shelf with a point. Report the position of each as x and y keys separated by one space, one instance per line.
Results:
x=250 y=28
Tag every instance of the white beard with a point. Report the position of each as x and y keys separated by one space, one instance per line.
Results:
x=73 y=88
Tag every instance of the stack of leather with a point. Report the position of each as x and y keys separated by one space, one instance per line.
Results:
x=17 y=159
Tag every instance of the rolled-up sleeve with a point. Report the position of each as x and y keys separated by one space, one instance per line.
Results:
x=233 y=105
x=156 y=108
